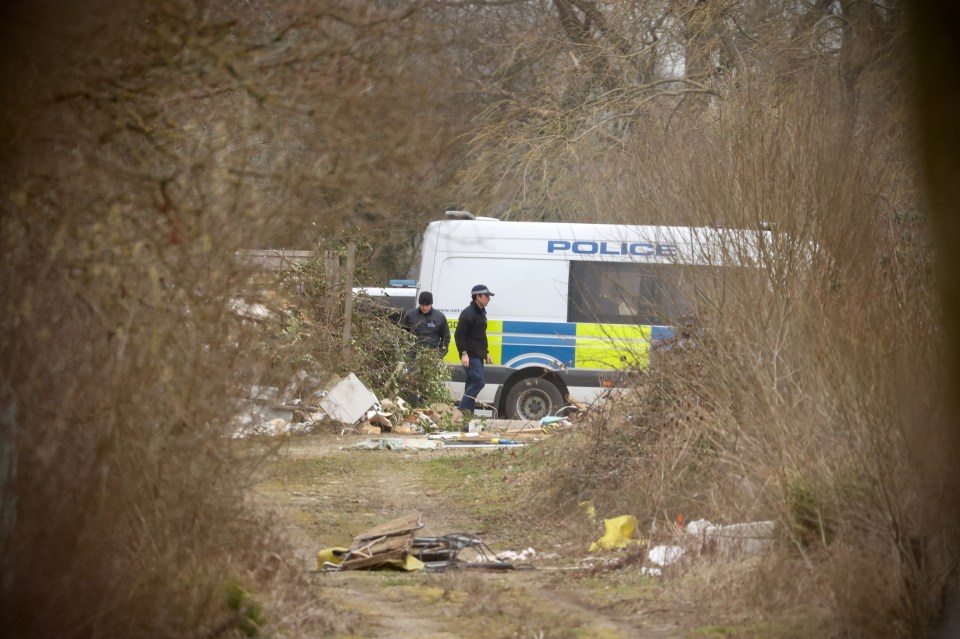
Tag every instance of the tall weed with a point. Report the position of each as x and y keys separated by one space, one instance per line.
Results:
x=815 y=395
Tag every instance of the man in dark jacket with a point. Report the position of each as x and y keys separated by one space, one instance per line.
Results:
x=428 y=324
x=471 y=337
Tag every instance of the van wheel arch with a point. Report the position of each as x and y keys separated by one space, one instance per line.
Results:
x=533 y=396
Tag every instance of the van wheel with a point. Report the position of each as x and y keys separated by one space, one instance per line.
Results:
x=532 y=399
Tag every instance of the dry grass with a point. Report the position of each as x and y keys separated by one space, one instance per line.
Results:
x=815 y=396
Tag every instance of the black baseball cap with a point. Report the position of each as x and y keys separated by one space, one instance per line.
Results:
x=480 y=289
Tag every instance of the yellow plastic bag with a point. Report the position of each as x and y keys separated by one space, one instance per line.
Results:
x=331 y=555
x=620 y=532
x=408 y=563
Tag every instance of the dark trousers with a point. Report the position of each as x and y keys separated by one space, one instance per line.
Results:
x=473 y=386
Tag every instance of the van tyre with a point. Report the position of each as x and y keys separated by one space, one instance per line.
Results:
x=532 y=399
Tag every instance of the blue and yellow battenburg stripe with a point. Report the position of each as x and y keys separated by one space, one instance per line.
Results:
x=549 y=344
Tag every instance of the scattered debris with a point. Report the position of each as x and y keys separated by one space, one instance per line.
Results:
x=436 y=441
x=512 y=555
x=702 y=537
x=251 y=311
x=387 y=544
x=552 y=424
x=262 y=413
x=734 y=539
x=398 y=444
x=357 y=410
x=473 y=426
x=379 y=418
x=443 y=553
x=393 y=545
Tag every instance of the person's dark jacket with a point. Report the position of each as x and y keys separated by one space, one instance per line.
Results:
x=431 y=329
x=471 y=333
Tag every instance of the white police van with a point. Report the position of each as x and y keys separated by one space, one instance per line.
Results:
x=575 y=305
x=399 y=296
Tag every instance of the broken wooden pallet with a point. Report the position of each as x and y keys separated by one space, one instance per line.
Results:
x=385 y=543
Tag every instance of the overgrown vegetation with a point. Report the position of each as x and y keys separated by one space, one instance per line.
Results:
x=383 y=355
x=146 y=143
x=814 y=396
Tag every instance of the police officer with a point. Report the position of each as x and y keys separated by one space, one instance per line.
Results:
x=471 y=338
x=428 y=324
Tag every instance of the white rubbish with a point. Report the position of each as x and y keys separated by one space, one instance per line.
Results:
x=734 y=539
x=255 y=311
x=481 y=444
x=512 y=555
x=396 y=444
x=664 y=555
x=447 y=435
x=271 y=428
x=264 y=393
x=474 y=426
x=697 y=526
x=598 y=560
x=348 y=401
x=379 y=418
x=261 y=414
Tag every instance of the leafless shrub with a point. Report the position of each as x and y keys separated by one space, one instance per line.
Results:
x=655 y=449
x=144 y=145
x=819 y=382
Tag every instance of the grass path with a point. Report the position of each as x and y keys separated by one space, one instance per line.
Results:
x=323 y=492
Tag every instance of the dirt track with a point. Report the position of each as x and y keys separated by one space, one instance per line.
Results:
x=326 y=492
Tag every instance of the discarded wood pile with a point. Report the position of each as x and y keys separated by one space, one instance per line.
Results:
x=393 y=545
x=388 y=543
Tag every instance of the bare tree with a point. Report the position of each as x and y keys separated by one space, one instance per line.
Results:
x=144 y=143
x=601 y=79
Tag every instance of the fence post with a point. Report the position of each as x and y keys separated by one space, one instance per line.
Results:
x=348 y=297
x=332 y=273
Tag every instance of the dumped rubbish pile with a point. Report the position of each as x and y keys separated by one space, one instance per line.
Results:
x=698 y=538
x=393 y=545
x=343 y=403
x=491 y=434
x=351 y=407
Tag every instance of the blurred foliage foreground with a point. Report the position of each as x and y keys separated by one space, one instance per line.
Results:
x=146 y=143
x=125 y=510
x=135 y=167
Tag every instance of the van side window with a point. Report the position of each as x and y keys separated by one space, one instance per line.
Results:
x=625 y=293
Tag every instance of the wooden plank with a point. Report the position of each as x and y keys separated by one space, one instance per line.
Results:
x=527 y=432
x=398 y=526
x=388 y=544
x=371 y=562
